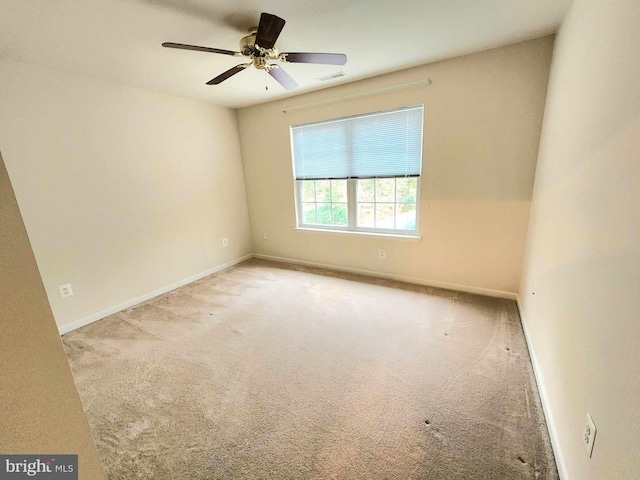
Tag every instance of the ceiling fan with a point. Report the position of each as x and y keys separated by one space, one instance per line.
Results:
x=260 y=48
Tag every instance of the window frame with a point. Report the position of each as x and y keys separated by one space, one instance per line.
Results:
x=352 y=182
x=352 y=211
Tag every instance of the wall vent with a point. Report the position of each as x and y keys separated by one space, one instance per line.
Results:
x=332 y=76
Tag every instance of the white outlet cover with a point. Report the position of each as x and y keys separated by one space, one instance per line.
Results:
x=65 y=290
x=589 y=434
x=225 y=242
x=382 y=254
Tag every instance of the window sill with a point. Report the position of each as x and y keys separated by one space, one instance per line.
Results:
x=410 y=238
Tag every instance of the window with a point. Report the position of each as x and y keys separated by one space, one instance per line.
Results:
x=360 y=173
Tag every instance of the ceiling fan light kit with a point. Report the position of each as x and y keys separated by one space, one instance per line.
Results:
x=259 y=47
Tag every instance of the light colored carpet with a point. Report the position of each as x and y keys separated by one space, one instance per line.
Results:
x=267 y=371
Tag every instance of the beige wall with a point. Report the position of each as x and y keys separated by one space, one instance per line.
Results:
x=123 y=191
x=483 y=115
x=40 y=411
x=580 y=294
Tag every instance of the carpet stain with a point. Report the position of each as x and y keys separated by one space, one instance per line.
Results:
x=272 y=371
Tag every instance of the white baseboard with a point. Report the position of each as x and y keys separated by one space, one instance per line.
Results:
x=135 y=301
x=401 y=278
x=546 y=407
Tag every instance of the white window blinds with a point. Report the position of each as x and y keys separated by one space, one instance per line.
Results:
x=386 y=144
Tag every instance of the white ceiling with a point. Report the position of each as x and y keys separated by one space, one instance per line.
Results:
x=119 y=40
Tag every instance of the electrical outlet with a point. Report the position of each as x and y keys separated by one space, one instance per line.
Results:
x=589 y=434
x=225 y=242
x=382 y=254
x=265 y=236
x=65 y=290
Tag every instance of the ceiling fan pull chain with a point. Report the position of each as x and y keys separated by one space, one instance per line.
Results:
x=266 y=85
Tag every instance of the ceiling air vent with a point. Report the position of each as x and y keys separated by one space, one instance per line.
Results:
x=332 y=76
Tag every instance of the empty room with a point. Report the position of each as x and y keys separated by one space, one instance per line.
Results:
x=320 y=240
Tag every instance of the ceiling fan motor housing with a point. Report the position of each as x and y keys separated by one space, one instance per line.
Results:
x=248 y=48
x=247 y=44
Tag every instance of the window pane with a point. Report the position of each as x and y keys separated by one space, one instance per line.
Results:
x=406 y=189
x=324 y=214
x=309 y=212
x=366 y=190
x=323 y=190
x=338 y=190
x=406 y=216
x=308 y=191
x=385 y=190
x=384 y=215
x=340 y=214
x=366 y=215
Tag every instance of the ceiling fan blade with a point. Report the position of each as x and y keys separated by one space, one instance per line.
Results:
x=282 y=77
x=269 y=29
x=229 y=73
x=323 y=58
x=182 y=46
